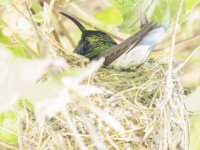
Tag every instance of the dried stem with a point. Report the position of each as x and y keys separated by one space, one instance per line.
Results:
x=169 y=84
x=188 y=58
x=181 y=42
x=73 y=44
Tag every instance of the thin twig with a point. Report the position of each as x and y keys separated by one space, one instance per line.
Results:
x=72 y=127
x=32 y=21
x=56 y=36
x=73 y=44
x=85 y=15
x=188 y=58
x=40 y=39
x=5 y=145
x=20 y=12
x=169 y=84
x=51 y=4
x=181 y=42
x=20 y=131
x=28 y=50
x=61 y=25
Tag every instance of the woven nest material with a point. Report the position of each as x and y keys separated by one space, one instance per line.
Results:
x=136 y=99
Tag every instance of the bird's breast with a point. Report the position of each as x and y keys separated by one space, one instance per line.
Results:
x=138 y=53
x=135 y=56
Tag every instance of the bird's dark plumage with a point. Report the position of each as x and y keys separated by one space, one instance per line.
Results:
x=92 y=43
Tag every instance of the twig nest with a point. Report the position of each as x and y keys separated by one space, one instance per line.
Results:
x=136 y=100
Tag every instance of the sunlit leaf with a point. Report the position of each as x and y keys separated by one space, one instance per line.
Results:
x=8 y=127
x=36 y=7
x=192 y=3
x=14 y=48
x=109 y=15
x=194 y=132
x=24 y=103
x=5 y=1
x=160 y=11
x=38 y=17
x=3 y=38
x=129 y=10
x=17 y=50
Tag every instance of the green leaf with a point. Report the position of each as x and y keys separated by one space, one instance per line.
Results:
x=24 y=103
x=192 y=3
x=36 y=7
x=16 y=49
x=129 y=11
x=160 y=11
x=3 y=38
x=109 y=15
x=194 y=132
x=8 y=130
x=6 y=1
x=38 y=16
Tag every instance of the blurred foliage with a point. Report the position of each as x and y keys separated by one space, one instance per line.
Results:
x=38 y=17
x=24 y=103
x=5 y=1
x=195 y=132
x=36 y=7
x=161 y=11
x=8 y=127
x=15 y=44
x=109 y=15
x=16 y=49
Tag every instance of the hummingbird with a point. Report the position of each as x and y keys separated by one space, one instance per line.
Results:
x=92 y=43
x=132 y=51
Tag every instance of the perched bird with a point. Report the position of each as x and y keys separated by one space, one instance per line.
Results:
x=92 y=43
x=133 y=51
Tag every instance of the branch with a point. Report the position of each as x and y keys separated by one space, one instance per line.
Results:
x=169 y=83
x=181 y=42
x=188 y=58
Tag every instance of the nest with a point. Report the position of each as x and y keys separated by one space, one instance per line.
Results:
x=136 y=99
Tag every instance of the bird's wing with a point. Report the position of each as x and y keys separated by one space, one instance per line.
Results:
x=113 y=53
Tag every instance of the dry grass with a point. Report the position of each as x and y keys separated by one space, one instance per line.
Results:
x=135 y=98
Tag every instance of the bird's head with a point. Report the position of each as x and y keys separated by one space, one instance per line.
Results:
x=92 y=43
